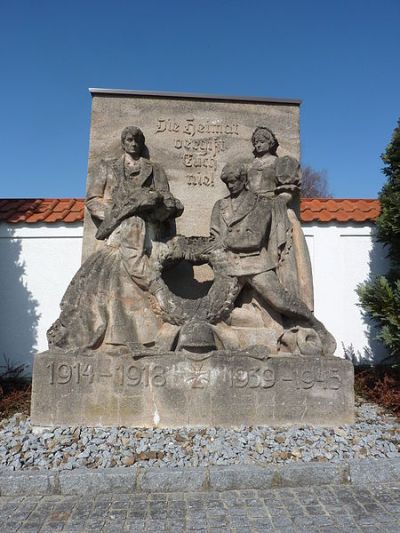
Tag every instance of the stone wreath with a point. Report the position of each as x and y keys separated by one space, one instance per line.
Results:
x=214 y=306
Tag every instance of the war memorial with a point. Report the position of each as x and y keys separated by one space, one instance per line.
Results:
x=193 y=305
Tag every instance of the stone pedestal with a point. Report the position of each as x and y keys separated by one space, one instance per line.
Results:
x=175 y=389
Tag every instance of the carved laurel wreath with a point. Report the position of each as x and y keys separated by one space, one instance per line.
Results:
x=215 y=306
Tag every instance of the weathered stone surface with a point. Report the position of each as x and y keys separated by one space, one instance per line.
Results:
x=39 y=483
x=318 y=474
x=107 y=302
x=373 y=471
x=245 y=477
x=84 y=483
x=173 y=480
x=172 y=390
x=258 y=477
x=193 y=138
x=335 y=508
x=254 y=243
x=130 y=481
x=168 y=322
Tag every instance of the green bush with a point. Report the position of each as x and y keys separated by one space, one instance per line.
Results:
x=380 y=297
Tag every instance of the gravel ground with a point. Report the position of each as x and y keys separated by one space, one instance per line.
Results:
x=375 y=434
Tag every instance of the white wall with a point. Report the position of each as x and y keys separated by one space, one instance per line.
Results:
x=342 y=256
x=38 y=261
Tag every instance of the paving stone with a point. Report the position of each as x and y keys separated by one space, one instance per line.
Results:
x=212 y=513
x=136 y=526
x=282 y=521
x=333 y=529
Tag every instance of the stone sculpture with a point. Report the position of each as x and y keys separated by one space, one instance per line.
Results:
x=250 y=232
x=126 y=349
x=279 y=178
x=118 y=299
x=106 y=305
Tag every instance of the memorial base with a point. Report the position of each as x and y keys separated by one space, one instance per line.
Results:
x=176 y=389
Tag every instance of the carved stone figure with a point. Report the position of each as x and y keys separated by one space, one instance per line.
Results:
x=249 y=239
x=119 y=298
x=107 y=303
x=132 y=183
x=276 y=177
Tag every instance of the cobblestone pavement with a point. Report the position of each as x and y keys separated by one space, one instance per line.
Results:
x=324 y=509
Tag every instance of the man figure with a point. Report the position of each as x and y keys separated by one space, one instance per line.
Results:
x=106 y=304
x=132 y=184
x=249 y=245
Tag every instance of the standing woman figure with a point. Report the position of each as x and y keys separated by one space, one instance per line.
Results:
x=279 y=178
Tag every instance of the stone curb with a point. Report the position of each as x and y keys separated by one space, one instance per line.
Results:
x=83 y=482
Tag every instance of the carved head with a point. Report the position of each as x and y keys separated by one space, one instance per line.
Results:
x=264 y=141
x=133 y=141
x=234 y=175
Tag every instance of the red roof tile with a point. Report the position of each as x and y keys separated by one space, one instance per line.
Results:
x=38 y=210
x=69 y=210
x=339 y=210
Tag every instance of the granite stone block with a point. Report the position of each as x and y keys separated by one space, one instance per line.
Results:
x=173 y=480
x=83 y=482
x=174 y=390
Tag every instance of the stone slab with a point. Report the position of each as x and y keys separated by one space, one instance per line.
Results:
x=30 y=482
x=173 y=389
x=112 y=481
x=173 y=479
x=318 y=474
x=246 y=477
x=371 y=471
x=274 y=476
x=84 y=482
x=192 y=137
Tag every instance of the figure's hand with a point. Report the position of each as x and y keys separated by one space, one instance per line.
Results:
x=219 y=260
x=213 y=245
x=96 y=208
x=169 y=200
x=172 y=204
x=177 y=245
x=98 y=213
x=148 y=197
x=286 y=192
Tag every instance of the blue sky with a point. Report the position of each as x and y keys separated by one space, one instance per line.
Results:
x=341 y=58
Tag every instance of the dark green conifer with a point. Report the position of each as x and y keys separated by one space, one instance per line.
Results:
x=380 y=297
